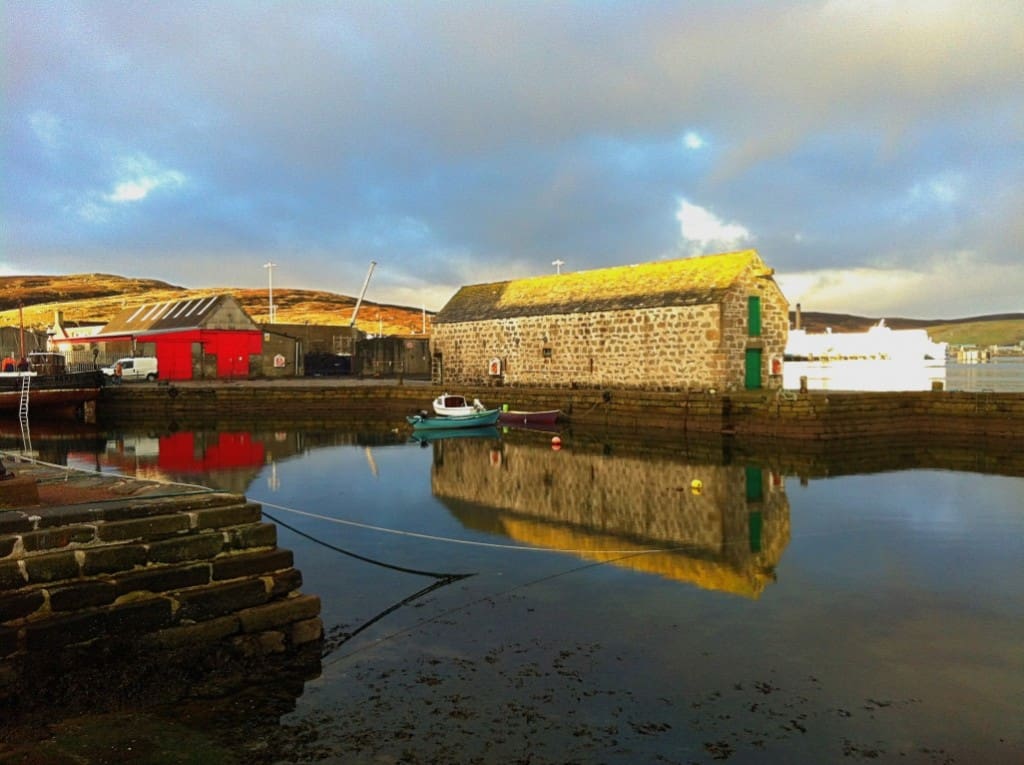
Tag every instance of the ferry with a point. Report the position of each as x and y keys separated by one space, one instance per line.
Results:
x=878 y=343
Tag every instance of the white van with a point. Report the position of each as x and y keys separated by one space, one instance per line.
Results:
x=137 y=368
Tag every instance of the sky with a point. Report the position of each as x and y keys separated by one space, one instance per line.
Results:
x=872 y=151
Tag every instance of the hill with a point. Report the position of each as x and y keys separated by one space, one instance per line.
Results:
x=97 y=298
x=995 y=329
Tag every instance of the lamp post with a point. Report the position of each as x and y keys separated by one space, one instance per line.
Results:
x=270 y=284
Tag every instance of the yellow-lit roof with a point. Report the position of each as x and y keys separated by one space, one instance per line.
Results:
x=687 y=281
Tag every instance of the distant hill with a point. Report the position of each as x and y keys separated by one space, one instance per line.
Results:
x=97 y=298
x=995 y=329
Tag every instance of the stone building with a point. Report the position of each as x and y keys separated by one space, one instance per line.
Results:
x=714 y=321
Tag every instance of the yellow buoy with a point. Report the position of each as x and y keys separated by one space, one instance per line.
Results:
x=696 y=486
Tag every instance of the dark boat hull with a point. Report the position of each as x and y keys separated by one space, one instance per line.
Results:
x=549 y=417
x=50 y=392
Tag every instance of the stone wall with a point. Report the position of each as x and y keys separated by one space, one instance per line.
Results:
x=667 y=348
x=736 y=337
x=154 y=574
x=817 y=415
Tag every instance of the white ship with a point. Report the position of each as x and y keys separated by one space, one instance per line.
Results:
x=877 y=343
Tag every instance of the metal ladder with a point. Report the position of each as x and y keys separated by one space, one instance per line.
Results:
x=26 y=434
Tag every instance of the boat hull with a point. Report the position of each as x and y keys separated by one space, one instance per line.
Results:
x=487 y=417
x=549 y=417
x=50 y=393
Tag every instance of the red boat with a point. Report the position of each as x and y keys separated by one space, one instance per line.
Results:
x=513 y=417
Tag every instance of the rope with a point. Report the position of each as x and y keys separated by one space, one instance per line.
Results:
x=393 y=567
x=452 y=540
x=456 y=609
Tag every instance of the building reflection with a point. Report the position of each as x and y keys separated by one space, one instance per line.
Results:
x=723 y=527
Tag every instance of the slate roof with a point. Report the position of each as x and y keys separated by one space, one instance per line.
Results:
x=689 y=281
x=171 y=316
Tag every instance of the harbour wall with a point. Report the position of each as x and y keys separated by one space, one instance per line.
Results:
x=777 y=414
x=144 y=588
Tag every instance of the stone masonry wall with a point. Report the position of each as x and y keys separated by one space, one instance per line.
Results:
x=736 y=338
x=660 y=348
x=159 y=572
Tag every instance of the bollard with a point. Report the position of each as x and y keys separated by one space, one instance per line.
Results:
x=803 y=383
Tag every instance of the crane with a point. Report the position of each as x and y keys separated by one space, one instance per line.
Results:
x=359 y=302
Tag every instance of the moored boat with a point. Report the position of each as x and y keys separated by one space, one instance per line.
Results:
x=515 y=417
x=422 y=422
x=50 y=386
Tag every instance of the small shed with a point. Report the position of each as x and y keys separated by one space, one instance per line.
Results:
x=195 y=338
x=714 y=321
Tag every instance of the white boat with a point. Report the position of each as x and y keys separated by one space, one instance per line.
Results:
x=449 y=405
x=877 y=343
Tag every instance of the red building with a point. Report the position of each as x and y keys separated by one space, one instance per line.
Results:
x=197 y=338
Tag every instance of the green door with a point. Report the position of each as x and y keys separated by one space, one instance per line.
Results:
x=752 y=373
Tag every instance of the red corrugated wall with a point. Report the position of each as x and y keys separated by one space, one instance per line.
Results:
x=232 y=349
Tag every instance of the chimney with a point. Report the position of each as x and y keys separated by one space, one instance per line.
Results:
x=58 y=319
x=796 y=320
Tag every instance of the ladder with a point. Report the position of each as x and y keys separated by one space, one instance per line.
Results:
x=26 y=435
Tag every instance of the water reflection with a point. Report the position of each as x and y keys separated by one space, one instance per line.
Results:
x=721 y=527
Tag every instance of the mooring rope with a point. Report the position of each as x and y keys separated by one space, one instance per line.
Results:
x=357 y=556
x=452 y=540
x=459 y=608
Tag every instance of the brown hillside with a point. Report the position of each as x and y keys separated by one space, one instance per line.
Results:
x=96 y=298
x=32 y=290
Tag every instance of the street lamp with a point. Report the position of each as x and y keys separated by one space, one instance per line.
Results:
x=270 y=279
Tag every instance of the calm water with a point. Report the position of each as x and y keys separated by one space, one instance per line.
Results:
x=592 y=604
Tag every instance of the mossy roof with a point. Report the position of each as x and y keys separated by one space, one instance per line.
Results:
x=688 y=281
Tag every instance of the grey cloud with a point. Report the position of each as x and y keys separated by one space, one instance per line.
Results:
x=463 y=138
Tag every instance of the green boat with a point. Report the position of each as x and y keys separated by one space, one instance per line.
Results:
x=486 y=417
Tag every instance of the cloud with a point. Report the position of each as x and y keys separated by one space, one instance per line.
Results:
x=324 y=135
x=47 y=129
x=139 y=176
x=958 y=284
x=704 y=232
x=693 y=140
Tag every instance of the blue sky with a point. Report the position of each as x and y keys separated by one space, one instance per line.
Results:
x=871 y=150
